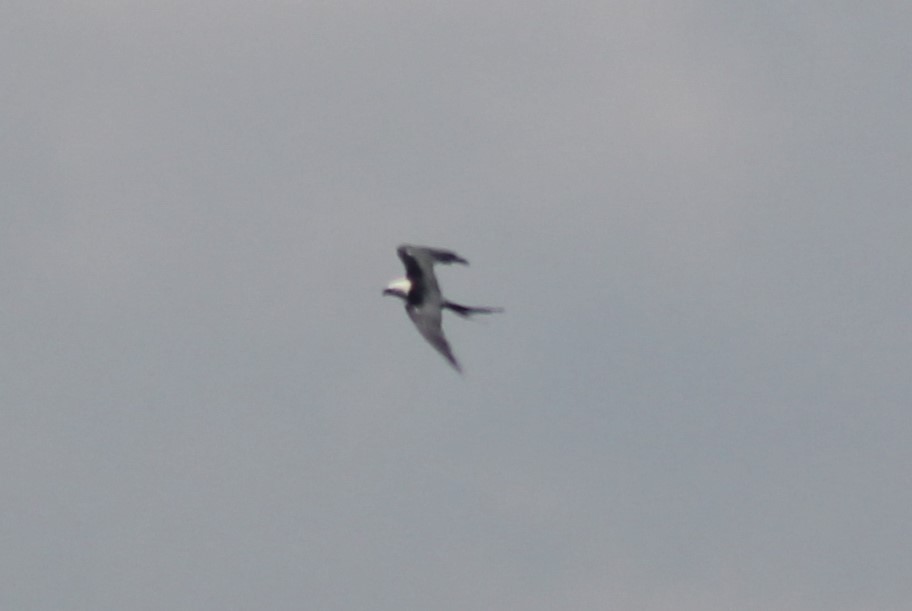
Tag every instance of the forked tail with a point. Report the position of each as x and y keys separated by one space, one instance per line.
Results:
x=467 y=311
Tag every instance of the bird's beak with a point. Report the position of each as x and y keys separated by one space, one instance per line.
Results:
x=387 y=292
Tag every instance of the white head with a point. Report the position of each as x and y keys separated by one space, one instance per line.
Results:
x=398 y=288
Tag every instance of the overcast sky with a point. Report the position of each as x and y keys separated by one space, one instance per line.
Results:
x=698 y=216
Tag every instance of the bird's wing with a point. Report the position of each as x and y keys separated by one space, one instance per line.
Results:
x=419 y=263
x=432 y=255
x=428 y=322
x=443 y=256
x=419 y=267
x=416 y=266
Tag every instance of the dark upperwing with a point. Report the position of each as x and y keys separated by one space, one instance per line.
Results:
x=419 y=268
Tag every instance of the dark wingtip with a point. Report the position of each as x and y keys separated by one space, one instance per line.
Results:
x=453 y=362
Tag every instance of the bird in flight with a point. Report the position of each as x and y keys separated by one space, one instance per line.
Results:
x=423 y=301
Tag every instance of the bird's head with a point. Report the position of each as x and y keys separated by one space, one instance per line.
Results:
x=399 y=287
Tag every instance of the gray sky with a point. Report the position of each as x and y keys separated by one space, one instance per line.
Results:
x=697 y=215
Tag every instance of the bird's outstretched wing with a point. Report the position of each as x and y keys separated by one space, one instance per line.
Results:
x=428 y=322
x=419 y=268
x=431 y=255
